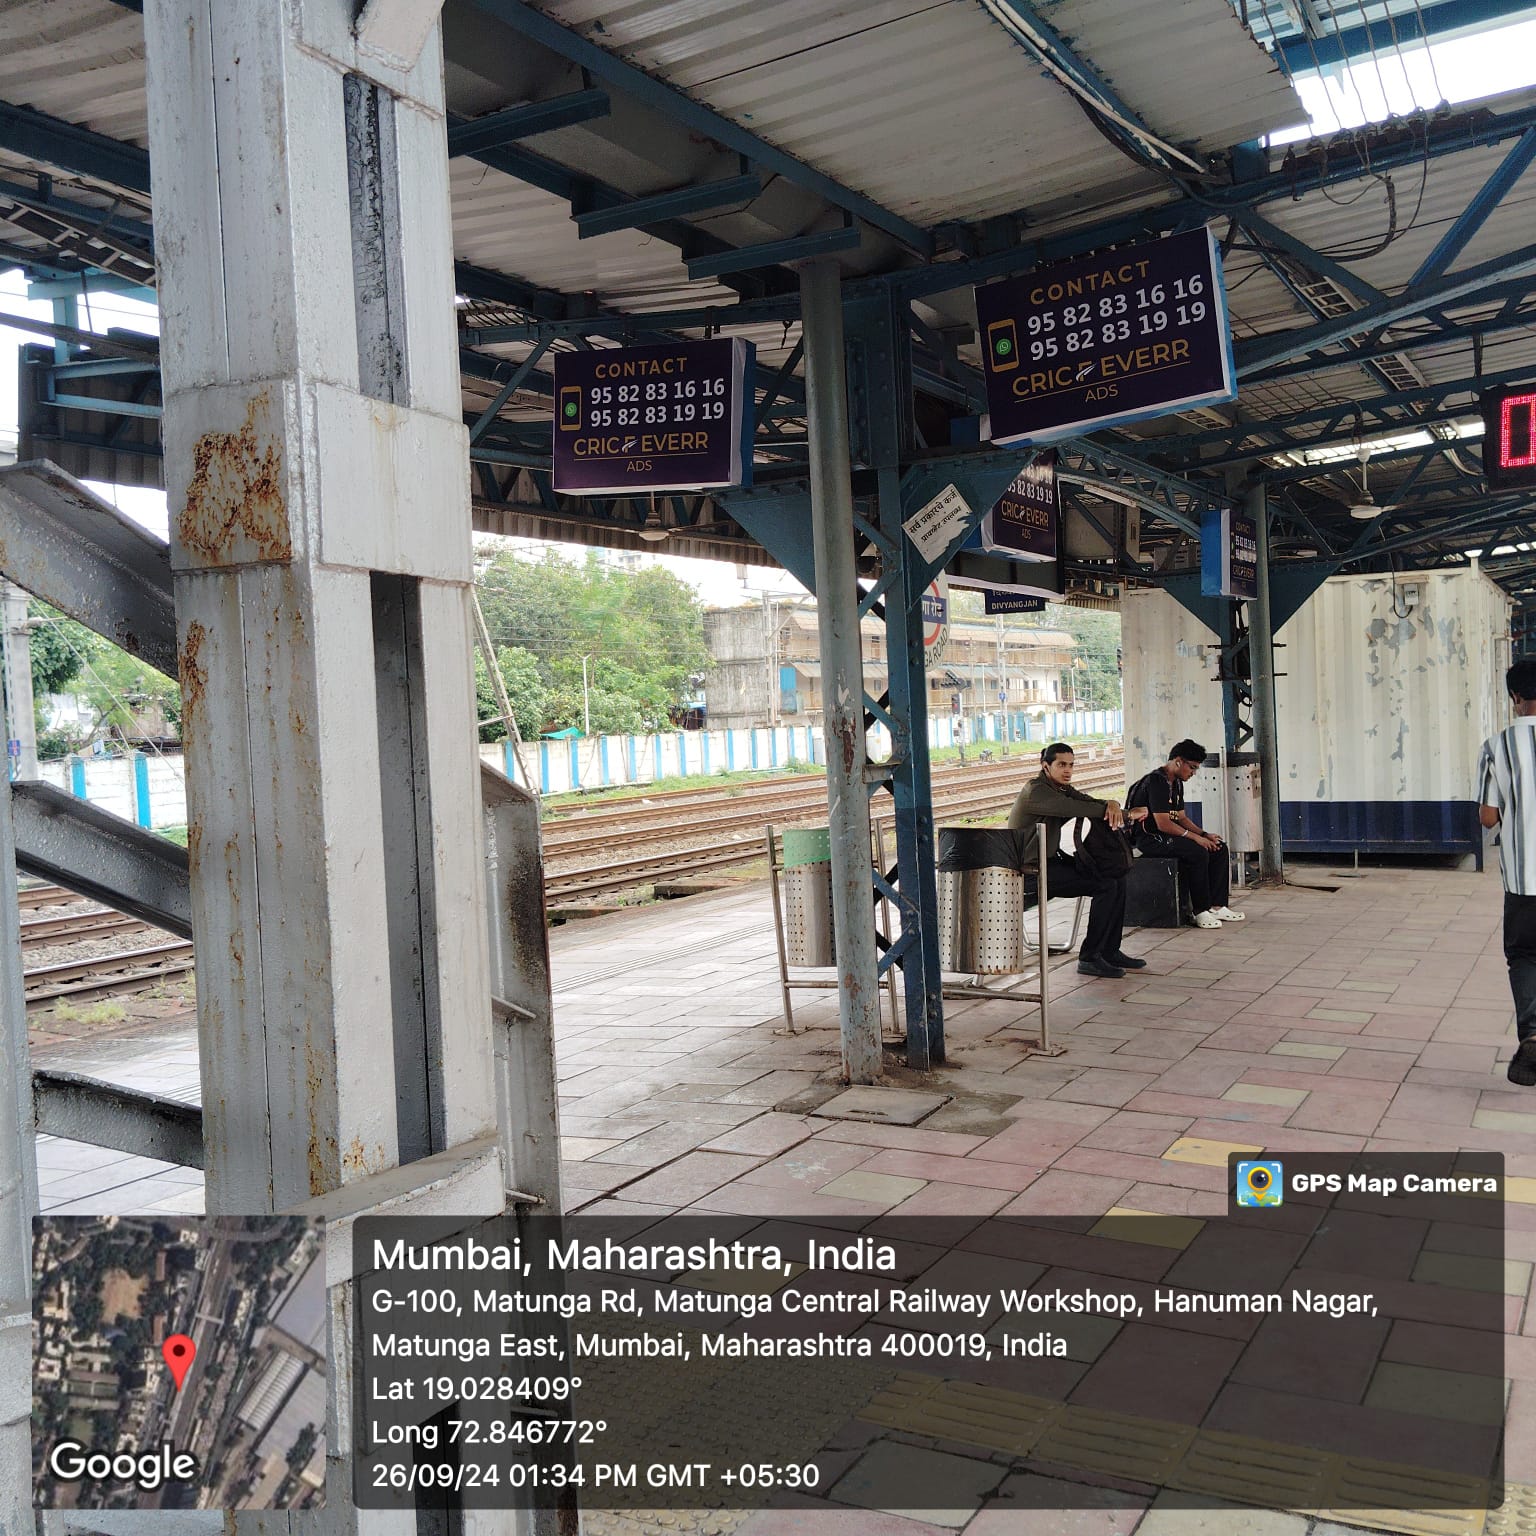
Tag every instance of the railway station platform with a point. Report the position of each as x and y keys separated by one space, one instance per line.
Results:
x=1354 y=1014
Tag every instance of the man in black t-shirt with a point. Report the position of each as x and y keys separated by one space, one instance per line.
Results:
x=1167 y=833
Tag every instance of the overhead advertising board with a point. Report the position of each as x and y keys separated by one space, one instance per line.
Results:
x=1509 y=438
x=1229 y=555
x=1120 y=336
x=674 y=417
x=995 y=602
x=1023 y=522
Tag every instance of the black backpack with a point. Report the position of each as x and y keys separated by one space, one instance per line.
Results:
x=1103 y=852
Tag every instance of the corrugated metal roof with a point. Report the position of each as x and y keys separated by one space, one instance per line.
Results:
x=82 y=60
x=932 y=109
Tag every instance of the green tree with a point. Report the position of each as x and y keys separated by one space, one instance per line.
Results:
x=122 y=690
x=641 y=633
x=1097 y=633
x=59 y=648
x=526 y=692
x=68 y=657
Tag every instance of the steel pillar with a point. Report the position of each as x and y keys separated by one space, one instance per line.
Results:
x=1261 y=652
x=318 y=485
x=879 y=361
x=842 y=669
x=21 y=724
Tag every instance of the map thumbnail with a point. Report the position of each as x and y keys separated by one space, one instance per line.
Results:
x=117 y=1300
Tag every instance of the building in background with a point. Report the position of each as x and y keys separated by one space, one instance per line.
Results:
x=765 y=666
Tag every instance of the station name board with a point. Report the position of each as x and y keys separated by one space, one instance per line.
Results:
x=674 y=417
x=1023 y=522
x=1120 y=336
x=1509 y=438
x=1229 y=555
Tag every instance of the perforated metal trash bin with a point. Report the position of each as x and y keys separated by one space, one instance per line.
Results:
x=983 y=884
x=807 y=886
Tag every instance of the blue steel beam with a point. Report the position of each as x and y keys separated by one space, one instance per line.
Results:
x=1458 y=287
x=1303 y=54
x=471 y=136
x=1432 y=401
x=1297 y=289
x=1446 y=331
x=1007 y=247
x=520 y=374
x=1314 y=261
x=1488 y=197
x=72 y=148
x=671 y=102
x=773 y=253
x=676 y=204
x=583 y=191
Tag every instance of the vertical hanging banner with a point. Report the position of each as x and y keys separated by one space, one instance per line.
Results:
x=1229 y=555
x=675 y=417
x=1128 y=334
x=1024 y=520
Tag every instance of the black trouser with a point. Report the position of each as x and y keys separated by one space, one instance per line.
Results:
x=1520 y=952
x=1204 y=870
x=1106 y=914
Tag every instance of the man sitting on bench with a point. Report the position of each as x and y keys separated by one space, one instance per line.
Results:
x=1168 y=833
x=1050 y=800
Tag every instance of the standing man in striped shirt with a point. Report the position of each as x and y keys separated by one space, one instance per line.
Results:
x=1506 y=773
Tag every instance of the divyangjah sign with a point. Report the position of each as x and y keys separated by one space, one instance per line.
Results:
x=1116 y=337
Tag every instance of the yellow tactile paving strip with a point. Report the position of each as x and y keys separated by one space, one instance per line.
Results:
x=1375 y=1495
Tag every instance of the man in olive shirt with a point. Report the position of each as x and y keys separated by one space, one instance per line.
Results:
x=1049 y=800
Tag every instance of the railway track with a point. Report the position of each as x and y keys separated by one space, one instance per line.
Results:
x=737 y=810
x=672 y=817
x=132 y=970
x=617 y=874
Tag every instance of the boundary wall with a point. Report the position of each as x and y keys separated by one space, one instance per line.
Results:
x=150 y=788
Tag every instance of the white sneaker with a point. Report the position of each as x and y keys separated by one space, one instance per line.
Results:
x=1227 y=915
x=1207 y=920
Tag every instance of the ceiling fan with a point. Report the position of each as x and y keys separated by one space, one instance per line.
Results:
x=1367 y=507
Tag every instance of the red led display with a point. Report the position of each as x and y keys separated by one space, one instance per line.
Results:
x=1509 y=438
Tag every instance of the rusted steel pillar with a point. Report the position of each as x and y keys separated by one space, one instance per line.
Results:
x=318 y=483
x=842 y=669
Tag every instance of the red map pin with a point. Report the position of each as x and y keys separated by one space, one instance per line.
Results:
x=179 y=1353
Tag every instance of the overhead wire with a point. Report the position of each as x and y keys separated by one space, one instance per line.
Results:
x=1434 y=71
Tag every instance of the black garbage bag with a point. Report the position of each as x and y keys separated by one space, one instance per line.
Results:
x=963 y=848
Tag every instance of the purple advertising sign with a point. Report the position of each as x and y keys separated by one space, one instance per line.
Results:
x=1023 y=523
x=1120 y=336
x=674 y=417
